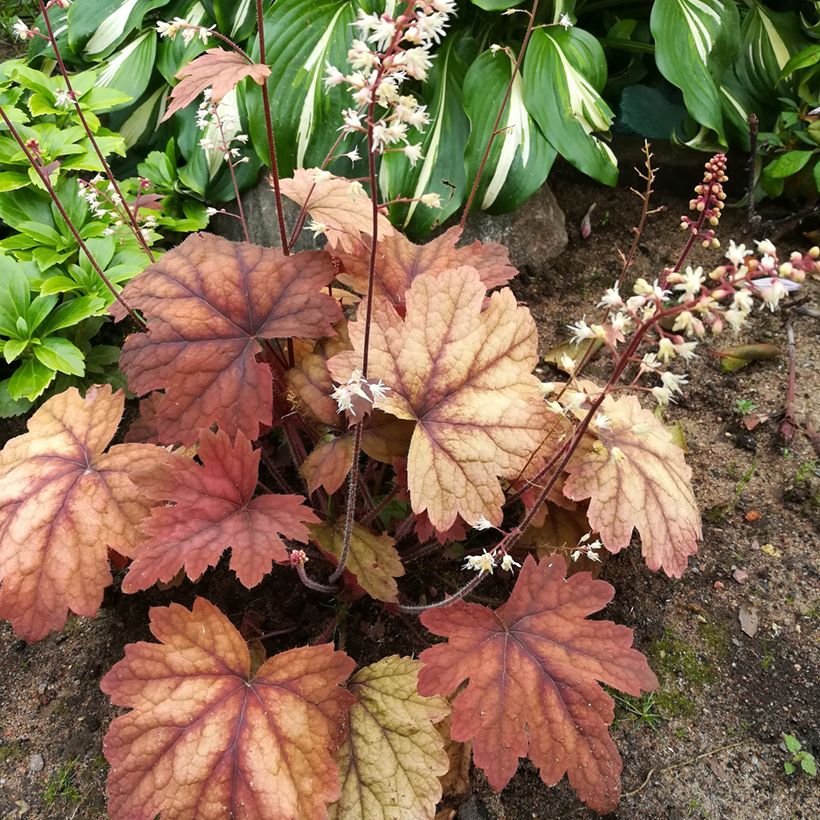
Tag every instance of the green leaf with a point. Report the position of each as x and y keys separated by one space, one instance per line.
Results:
x=12 y=348
x=144 y=120
x=15 y=291
x=61 y=355
x=695 y=40
x=808 y=765
x=30 y=380
x=303 y=37
x=788 y=766
x=11 y=407
x=101 y=357
x=101 y=25
x=236 y=18
x=521 y=157
x=129 y=70
x=73 y=312
x=441 y=169
x=496 y=5
x=173 y=54
x=647 y=112
x=58 y=284
x=788 y=164
x=12 y=180
x=564 y=72
x=806 y=58
x=792 y=743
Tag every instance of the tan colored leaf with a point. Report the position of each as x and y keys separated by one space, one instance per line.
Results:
x=464 y=376
x=206 y=740
x=328 y=464
x=384 y=437
x=456 y=781
x=311 y=384
x=576 y=353
x=390 y=763
x=637 y=478
x=533 y=668
x=399 y=262
x=373 y=561
x=64 y=501
x=217 y=69
x=208 y=302
x=341 y=209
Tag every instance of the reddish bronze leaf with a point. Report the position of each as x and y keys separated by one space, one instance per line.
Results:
x=214 y=509
x=635 y=476
x=340 y=209
x=464 y=376
x=207 y=301
x=207 y=739
x=533 y=667
x=328 y=464
x=399 y=262
x=63 y=502
x=217 y=69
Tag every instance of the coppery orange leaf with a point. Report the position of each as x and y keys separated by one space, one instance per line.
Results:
x=635 y=476
x=217 y=69
x=340 y=209
x=533 y=667
x=207 y=739
x=207 y=302
x=63 y=502
x=212 y=507
x=464 y=376
x=399 y=262
x=328 y=464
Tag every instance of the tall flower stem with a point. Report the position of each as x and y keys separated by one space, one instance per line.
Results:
x=38 y=167
x=132 y=214
x=502 y=108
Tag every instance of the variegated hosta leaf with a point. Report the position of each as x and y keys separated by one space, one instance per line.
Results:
x=303 y=37
x=521 y=157
x=174 y=53
x=564 y=72
x=441 y=170
x=234 y=18
x=99 y=26
x=695 y=41
x=142 y=122
x=130 y=68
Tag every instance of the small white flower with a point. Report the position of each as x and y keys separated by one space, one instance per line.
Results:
x=663 y=395
x=507 y=563
x=735 y=319
x=602 y=422
x=611 y=298
x=480 y=563
x=356 y=190
x=211 y=211
x=413 y=153
x=742 y=301
x=333 y=76
x=686 y=350
x=482 y=524
x=673 y=382
x=317 y=227
x=771 y=292
x=431 y=200
x=352 y=119
x=415 y=61
x=567 y=363
x=650 y=362
x=565 y=21
x=353 y=156
x=547 y=388
x=666 y=350
x=736 y=254
x=169 y=30
x=21 y=31
x=580 y=331
x=63 y=98
x=693 y=279
x=766 y=246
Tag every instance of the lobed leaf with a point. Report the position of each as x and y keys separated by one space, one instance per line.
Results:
x=391 y=760
x=464 y=376
x=210 y=508
x=533 y=667
x=636 y=477
x=217 y=69
x=207 y=302
x=205 y=738
x=328 y=464
x=64 y=501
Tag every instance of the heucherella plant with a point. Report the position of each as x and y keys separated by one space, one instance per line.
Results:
x=343 y=413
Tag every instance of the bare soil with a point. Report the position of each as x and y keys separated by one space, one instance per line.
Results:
x=710 y=742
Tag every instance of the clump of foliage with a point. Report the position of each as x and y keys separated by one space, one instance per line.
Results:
x=799 y=757
x=338 y=412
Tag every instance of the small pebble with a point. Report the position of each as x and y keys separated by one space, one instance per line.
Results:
x=740 y=575
x=36 y=763
x=718 y=585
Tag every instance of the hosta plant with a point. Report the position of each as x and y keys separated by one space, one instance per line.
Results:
x=343 y=413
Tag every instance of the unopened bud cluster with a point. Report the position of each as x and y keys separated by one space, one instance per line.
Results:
x=708 y=203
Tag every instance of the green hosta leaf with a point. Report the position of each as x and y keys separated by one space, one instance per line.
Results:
x=564 y=71
x=144 y=120
x=236 y=18
x=695 y=40
x=60 y=355
x=521 y=157
x=441 y=169
x=30 y=380
x=101 y=25
x=303 y=37
x=646 y=111
x=129 y=70
x=789 y=163
x=496 y=5
x=173 y=54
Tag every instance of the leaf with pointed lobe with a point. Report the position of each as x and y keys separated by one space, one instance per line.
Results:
x=311 y=386
x=463 y=375
x=217 y=69
x=373 y=561
x=533 y=668
x=636 y=477
x=399 y=261
x=391 y=760
x=208 y=739
x=212 y=508
x=328 y=464
x=207 y=303
x=64 y=501
x=342 y=210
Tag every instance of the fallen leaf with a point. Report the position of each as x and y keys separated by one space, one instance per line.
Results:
x=399 y=262
x=217 y=69
x=206 y=739
x=586 y=222
x=209 y=508
x=576 y=353
x=207 y=302
x=636 y=477
x=533 y=667
x=735 y=358
x=749 y=620
x=328 y=464
x=342 y=211
x=771 y=550
x=456 y=781
x=63 y=502
x=390 y=763
x=464 y=376
x=373 y=560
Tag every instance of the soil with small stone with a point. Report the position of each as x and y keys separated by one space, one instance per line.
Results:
x=708 y=744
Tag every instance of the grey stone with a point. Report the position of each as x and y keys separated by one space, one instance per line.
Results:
x=535 y=233
x=36 y=763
